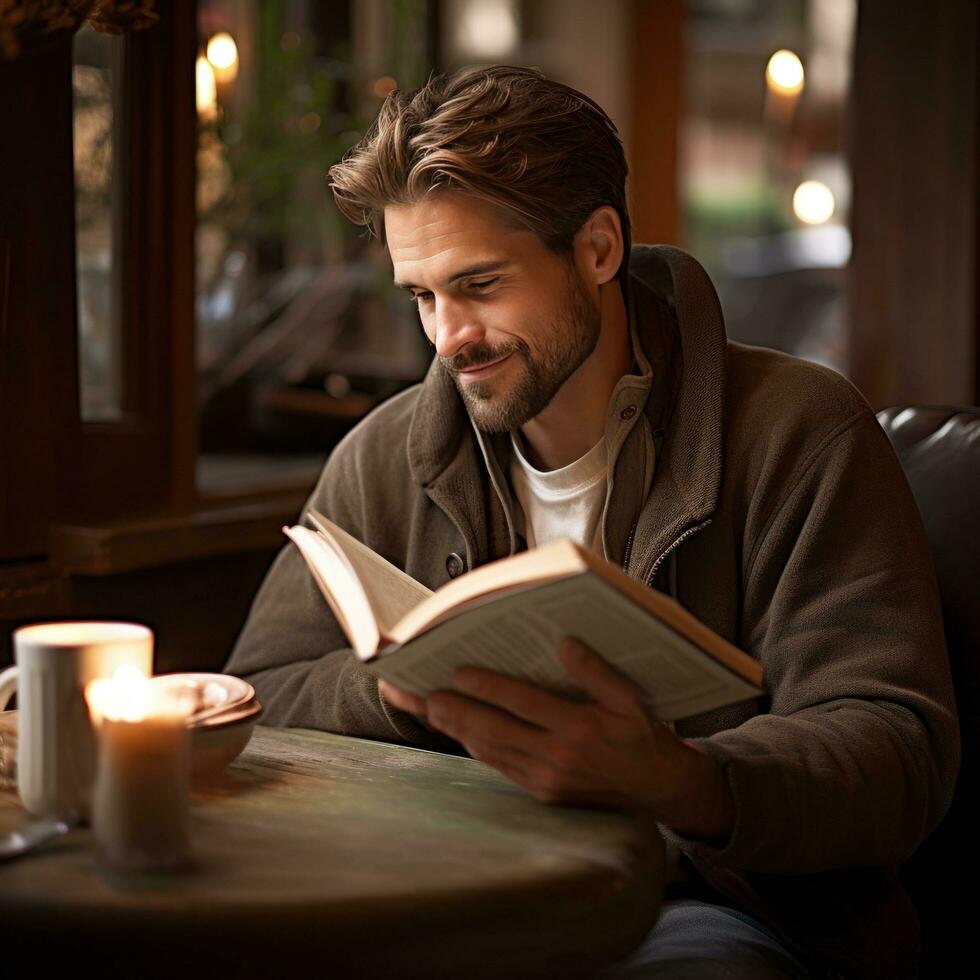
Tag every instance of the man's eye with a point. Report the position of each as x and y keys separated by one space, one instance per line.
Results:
x=483 y=283
x=421 y=297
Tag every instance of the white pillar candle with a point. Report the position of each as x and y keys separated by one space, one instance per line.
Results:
x=141 y=804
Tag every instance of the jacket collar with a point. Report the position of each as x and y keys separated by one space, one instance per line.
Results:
x=691 y=395
x=677 y=391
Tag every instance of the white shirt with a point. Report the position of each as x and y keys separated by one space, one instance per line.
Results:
x=568 y=503
x=562 y=503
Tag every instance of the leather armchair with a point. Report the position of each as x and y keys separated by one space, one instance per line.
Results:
x=940 y=453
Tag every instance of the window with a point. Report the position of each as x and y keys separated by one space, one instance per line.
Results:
x=96 y=60
x=299 y=332
x=765 y=180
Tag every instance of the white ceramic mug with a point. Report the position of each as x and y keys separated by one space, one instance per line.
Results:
x=55 y=742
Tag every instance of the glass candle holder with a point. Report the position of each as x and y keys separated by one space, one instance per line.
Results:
x=141 y=802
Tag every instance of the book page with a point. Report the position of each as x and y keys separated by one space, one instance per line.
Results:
x=341 y=588
x=391 y=593
x=518 y=634
x=558 y=559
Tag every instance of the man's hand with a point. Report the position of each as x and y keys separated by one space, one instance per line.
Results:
x=607 y=752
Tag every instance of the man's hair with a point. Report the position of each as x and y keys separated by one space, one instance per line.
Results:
x=541 y=151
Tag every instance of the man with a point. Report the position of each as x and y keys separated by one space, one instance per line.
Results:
x=580 y=388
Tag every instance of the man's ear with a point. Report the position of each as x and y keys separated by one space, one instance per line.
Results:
x=599 y=245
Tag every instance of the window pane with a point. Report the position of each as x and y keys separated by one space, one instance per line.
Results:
x=766 y=182
x=299 y=330
x=100 y=354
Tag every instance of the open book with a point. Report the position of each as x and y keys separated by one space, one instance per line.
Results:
x=510 y=615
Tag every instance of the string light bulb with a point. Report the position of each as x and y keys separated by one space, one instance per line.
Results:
x=222 y=53
x=784 y=73
x=813 y=202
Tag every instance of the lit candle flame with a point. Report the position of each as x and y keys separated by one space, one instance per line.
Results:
x=206 y=89
x=123 y=697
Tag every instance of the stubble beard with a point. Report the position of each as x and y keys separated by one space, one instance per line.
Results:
x=569 y=341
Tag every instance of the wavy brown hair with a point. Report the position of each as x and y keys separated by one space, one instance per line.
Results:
x=543 y=152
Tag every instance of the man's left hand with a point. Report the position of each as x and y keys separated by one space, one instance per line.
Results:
x=607 y=752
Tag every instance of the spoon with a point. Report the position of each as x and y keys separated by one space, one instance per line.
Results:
x=35 y=833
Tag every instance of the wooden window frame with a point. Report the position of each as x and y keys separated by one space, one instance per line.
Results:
x=143 y=462
x=83 y=491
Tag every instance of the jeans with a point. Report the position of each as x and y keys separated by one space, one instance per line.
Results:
x=696 y=940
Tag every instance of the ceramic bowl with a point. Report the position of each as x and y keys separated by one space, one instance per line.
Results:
x=223 y=711
x=217 y=742
x=206 y=695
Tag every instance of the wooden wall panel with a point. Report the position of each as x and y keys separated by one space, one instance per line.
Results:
x=656 y=92
x=39 y=432
x=913 y=276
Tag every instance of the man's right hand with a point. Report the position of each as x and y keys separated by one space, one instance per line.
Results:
x=606 y=752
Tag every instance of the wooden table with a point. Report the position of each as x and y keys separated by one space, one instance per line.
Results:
x=318 y=855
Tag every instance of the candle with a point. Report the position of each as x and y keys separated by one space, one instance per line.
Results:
x=141 y=804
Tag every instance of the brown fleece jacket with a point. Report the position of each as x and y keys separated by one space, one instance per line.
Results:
x=761 y=492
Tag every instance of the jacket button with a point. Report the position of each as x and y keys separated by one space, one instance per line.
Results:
x=455 y=565
x=627 y=413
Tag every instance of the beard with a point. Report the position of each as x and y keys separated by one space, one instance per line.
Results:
x=566 y=343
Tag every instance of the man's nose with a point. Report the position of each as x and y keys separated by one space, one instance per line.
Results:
x=455 y=326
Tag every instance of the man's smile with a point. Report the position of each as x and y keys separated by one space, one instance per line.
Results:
x=480 y=371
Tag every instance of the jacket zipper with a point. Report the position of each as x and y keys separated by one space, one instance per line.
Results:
x=648 y=579
x=629 y=547
x=687 y=534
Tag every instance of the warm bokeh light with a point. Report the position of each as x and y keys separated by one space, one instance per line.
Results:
x=813 y=202
x=223 y=53
x=488 y=28
x=206 y=88
x=784 y=73
x=384 y=86
x=309 y=123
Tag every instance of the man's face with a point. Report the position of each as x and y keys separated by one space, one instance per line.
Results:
x=510 y=320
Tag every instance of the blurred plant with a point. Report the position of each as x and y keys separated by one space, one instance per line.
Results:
x=711 y=219
x=263 y=169
x=408 y=29
x=272 y=250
